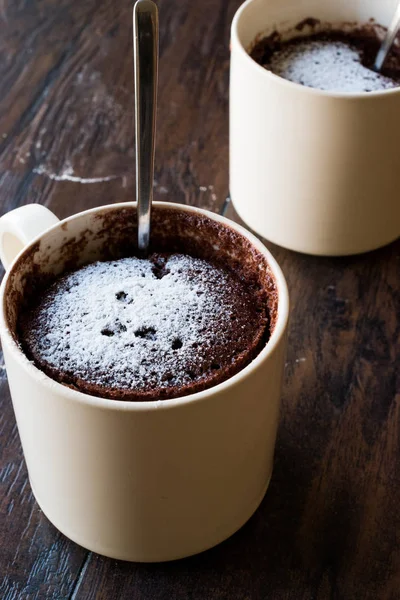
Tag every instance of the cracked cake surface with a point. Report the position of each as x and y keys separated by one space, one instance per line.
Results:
x=146 y=329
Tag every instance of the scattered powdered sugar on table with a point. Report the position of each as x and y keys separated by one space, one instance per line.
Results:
x=137 y=323
x=327 y=65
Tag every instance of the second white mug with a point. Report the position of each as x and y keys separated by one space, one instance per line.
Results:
x=312 y=171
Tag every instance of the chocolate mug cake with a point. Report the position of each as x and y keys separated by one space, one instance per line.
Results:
x=163 y=479
x=328 y=57
x=134 y=328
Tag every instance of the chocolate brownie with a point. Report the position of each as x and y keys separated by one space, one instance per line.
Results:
x=146 y=328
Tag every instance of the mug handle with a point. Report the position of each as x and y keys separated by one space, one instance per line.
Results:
x=20 y=226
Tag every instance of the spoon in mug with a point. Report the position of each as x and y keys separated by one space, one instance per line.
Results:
x=387 y=41
x=145 y=56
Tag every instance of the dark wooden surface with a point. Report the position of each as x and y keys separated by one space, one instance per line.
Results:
x=329 y=526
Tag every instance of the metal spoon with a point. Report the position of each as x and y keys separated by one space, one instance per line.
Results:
x=145 y=55
x=388 y=40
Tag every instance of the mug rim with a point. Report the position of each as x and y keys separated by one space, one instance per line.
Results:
x=236 y=42
x=279 y=331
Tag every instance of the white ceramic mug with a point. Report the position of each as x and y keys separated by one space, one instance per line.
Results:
x=312 y=171
x=140 y=481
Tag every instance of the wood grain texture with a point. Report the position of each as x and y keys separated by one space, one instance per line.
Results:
x=328 y=528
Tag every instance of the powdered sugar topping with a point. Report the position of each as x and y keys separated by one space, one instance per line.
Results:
x=332 y=66
x=138 y=323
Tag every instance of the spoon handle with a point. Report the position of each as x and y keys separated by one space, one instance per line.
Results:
x=388 y=40
x=145 y=54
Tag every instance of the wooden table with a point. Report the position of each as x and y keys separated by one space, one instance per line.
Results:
x=329 y=525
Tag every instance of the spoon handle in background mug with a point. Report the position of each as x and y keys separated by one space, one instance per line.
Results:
x=145 y=52
x=388 y=40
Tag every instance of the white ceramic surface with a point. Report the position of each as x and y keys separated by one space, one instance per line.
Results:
x=148 y=481
x=310 y=170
